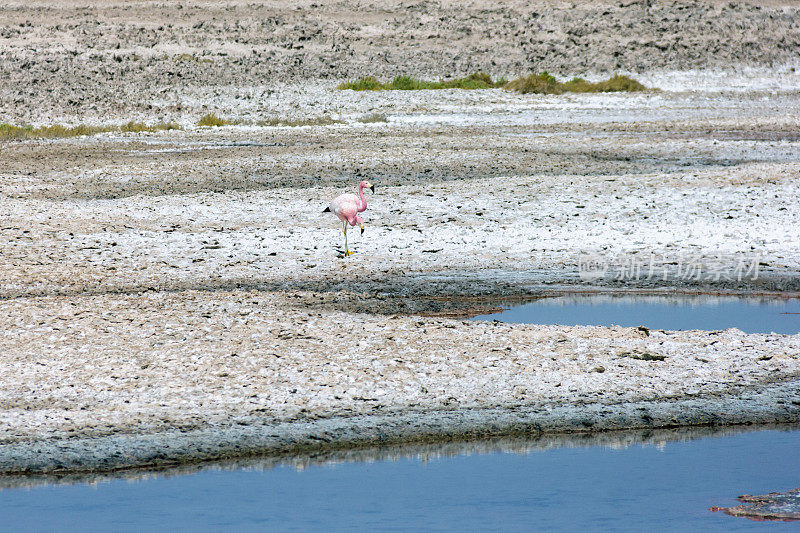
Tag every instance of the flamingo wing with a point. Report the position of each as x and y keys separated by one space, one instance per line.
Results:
x=345 y=206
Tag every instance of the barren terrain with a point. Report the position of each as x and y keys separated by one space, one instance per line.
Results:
x=100 y=60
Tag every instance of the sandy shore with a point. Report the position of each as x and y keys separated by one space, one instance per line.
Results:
x=179 y=296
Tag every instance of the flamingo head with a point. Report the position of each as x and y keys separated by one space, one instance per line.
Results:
x=367 y=185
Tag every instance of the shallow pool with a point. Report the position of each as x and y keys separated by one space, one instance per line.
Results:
x=751 y=315
x=663 y=481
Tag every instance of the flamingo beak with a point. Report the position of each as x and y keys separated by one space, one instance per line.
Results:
x=362 y=230
x=372 y=188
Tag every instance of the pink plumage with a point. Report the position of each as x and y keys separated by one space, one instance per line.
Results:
x=347 y=207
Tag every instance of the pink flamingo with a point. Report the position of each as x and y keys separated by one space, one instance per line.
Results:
x=347 y=206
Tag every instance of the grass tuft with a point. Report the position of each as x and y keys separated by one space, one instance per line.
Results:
x=368 y=83
x=136 y=127
x=407 y=83
x=619 y=84
x=57 y=131
x=213 y=120
x=476 y=80
x=9 y=131
x=544 y=83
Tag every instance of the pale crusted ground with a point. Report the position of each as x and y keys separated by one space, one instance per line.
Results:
x=98 y=365
x=716 y=211
x=139 y=276
x=140 y=270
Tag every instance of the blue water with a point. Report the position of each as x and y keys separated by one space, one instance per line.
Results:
x=641 y=487
x=751 y=315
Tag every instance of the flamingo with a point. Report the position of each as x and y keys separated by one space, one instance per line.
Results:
x=347 y=206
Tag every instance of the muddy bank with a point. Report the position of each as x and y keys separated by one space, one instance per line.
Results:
x=329 y=455
x=77 y=459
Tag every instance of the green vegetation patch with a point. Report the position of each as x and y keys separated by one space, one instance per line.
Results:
x=212 y=119
x=9 y=131
x=57 y=131
x=545 y=83
x=364 y=84
x=476 y=80
x=542 y=83
x=136 y=127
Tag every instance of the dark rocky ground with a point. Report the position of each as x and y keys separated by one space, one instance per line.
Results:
x=114 y=58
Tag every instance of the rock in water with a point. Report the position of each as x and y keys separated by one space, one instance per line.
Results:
x=781 y=506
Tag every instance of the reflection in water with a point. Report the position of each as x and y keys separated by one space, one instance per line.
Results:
x=670 y=312
x=615 y=440
x=554 y=483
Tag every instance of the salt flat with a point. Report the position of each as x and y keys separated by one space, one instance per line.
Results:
x=179 y=296
x=140 y=300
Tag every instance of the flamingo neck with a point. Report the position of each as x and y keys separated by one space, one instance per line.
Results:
x=363 y=205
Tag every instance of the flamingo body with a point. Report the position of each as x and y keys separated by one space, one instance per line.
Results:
x=347 y=207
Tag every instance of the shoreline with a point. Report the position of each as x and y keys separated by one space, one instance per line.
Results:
x=616 y=439
x=774 y=404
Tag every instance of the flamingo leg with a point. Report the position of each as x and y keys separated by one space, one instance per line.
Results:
x=344 y=229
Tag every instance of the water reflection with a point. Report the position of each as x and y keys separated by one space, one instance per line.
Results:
x=609 y=481
x=424 y=452
x=669 y=312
